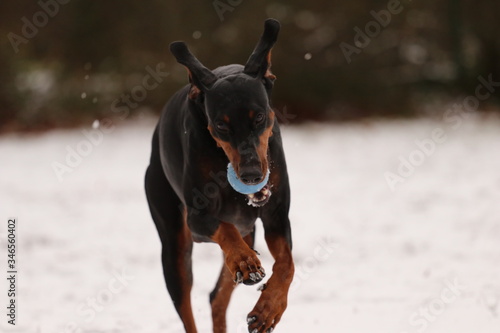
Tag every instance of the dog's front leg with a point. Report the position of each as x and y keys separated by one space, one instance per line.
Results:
x=273 y=301
x=240 y=259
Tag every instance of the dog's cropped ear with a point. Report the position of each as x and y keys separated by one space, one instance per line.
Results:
x=259 y=63
x=200 y=77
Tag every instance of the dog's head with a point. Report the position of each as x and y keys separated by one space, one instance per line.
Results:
x=236 y=103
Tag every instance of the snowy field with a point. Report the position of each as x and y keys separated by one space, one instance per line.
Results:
x=420 y=257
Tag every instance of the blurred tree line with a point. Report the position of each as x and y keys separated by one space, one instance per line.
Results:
x=64 y=62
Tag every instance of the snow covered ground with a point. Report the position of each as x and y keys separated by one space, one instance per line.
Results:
x=420 y=257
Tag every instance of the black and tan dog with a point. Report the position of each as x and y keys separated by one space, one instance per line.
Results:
x=222 y=116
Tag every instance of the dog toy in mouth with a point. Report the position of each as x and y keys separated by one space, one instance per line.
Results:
x=257 y=195
x=241 y=187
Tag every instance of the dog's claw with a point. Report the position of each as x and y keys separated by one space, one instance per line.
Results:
x=258 y=253
x=270 y=330
x=262 y=271
x=255 y=330
x=239 y=277
x=255 y=277
x=251 y=320
x=262 y=287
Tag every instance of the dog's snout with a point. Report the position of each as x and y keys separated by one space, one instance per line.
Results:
x=251 y=176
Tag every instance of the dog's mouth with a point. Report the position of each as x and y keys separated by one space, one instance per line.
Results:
x=260 y=198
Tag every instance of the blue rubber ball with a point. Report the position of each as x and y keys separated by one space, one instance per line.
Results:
x=241 y=187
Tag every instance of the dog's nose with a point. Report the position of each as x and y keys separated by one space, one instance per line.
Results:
x=251 y=177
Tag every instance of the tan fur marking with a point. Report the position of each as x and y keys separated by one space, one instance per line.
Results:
x=194 y=92
x=264 y=143
x=268 y=73
x=185 y=241
x=220 y=303
x=232 y=154
x=238 y=255
x=273 y=300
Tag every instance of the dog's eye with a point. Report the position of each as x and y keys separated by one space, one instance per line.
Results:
x=259 y=118
x=221 y=126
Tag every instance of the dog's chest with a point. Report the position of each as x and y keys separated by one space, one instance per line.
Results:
x=239 y=214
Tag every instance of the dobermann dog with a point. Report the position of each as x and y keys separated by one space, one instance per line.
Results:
x=222 y=116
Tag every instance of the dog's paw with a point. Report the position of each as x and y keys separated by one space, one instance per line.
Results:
x=245 y=267
x=267 y=312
